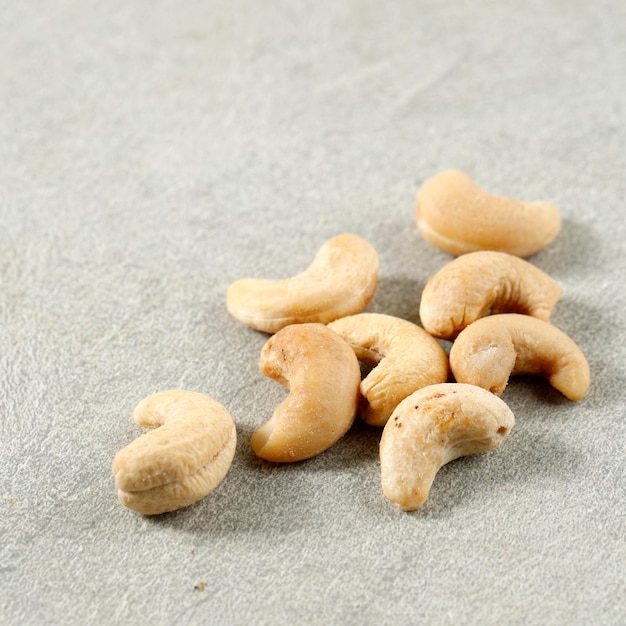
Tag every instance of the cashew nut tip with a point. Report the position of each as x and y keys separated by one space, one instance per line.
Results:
x=432 y=427
x=184 y=456
x=403 y=357
x=322 y=374
x=484 y=283
x=494 y=348
x=456 y=216
x=341 y=280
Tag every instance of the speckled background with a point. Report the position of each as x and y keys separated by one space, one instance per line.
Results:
x=153 y=152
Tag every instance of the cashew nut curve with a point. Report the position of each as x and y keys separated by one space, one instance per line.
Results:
x=341 y=280
x=494 y=348
x=484 y=283
x=404 y=358
x=456 y=216
x=183 y=458
x=432 y=427
x=322 y=374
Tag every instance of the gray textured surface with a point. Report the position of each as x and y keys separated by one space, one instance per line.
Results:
x=150 y=154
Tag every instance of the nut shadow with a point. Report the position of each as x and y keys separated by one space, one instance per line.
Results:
x=255 y=489
x=399 y=296
x=357 y=447
x=521 y=460
x=571 y=250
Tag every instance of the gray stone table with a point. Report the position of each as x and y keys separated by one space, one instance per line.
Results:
x=153 y=152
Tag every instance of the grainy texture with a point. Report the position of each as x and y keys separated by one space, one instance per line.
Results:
x=485 y=283
x=431 y=427
x=151 y=153
x=184 y=456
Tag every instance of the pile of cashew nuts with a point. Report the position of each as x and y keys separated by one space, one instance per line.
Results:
x=432 y=407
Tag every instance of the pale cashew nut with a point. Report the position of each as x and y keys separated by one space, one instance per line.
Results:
x=322 y=374
x=455 y=215
x=484 y=283
x=494 y=348
x=404 y=358
x=341 y=280
x=432 y=427
x=184 y=457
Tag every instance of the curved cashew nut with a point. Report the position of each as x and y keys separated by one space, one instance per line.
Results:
x=432 y=427
x=483 y=283
x=184 y=458
x=456 y=216
x=494 y=348
x=403 y=355
x=322 y=374
x=340 y=281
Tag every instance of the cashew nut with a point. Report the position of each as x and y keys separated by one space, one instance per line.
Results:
x=494 y=348
x=403 y=355
x=485 y=283
x=184 y=457
x=322 y=374
x=432 y=427
x=340 y=281
x=455 y=215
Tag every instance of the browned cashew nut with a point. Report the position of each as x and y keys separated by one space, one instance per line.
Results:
x=484 y=283
x=184 y=457
x=494 y=348
x=340 y=281
x=322 y=374
x=404 y=358
x=432 y=427
x=455 y=215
